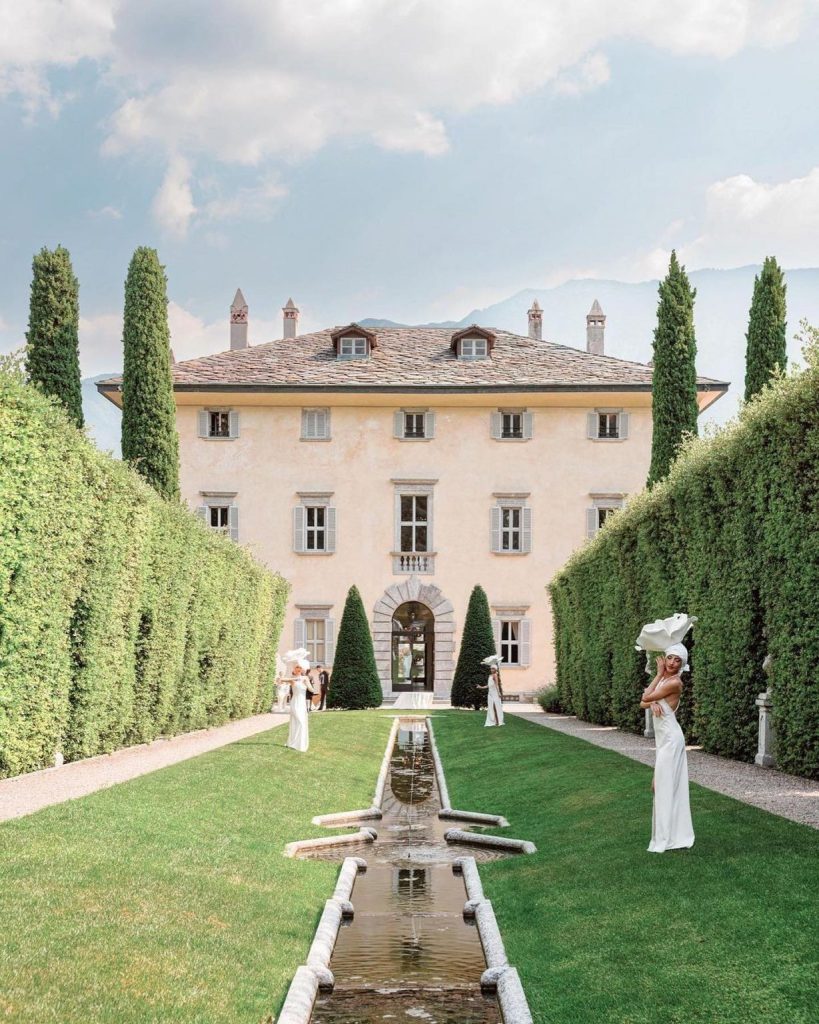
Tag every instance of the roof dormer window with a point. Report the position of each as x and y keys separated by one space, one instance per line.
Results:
x=473 y=348
x=473 y=343
x=353 y=342
x=352 y=348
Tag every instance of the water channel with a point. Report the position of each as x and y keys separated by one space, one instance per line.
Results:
x=408 y=954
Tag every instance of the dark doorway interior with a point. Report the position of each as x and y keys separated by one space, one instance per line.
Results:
x=413 y=639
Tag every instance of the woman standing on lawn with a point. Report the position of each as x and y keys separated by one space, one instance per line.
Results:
x=671 y=827
x=298 y=738
x=494 y=697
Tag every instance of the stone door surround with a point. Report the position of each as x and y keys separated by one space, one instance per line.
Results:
x=443 y=612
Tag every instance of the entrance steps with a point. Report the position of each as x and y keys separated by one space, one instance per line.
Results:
x=414 y=700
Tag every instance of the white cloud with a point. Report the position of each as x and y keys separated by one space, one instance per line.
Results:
x=173 y=205
x=106 y=213
x=255 y=202
x=746 y=220
x=588 y=75
x=264 y=83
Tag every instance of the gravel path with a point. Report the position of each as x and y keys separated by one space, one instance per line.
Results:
x=27 y=793
x=785 y=795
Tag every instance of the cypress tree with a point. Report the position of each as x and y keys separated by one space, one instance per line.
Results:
x=674 y=383
x=477 y=643
x=355 y=683
x=53 y=356
x=766 y=337
x=149 y=439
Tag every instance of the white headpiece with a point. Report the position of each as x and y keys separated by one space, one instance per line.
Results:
x=298 y=656
x=660 y=635
x=493 y=659
x=682 y=653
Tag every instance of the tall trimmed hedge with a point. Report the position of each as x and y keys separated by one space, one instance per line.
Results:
x=477 y=643
x=122 y=617
x=731 y=536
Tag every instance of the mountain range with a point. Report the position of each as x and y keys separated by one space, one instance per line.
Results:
x=720 y=317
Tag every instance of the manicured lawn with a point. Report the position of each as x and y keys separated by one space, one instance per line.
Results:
x=602 y=931
x=168 y=898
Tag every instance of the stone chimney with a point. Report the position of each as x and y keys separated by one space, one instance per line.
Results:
x=595 y=329
x=238 y=321
x=290 y=327
x=536 y=322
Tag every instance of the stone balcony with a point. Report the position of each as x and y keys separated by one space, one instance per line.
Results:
x=404 y=563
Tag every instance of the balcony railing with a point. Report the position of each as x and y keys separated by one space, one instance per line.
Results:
x=405 y=562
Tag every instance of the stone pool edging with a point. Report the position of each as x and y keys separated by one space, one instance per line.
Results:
x=458 y=835
x=316 y=973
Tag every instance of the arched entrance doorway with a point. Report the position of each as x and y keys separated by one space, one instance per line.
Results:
x=440 y=663
x=413 y=648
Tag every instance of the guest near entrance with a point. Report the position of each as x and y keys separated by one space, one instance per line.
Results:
x=414 y=462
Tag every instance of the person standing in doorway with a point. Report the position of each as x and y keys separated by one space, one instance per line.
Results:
x=324 y=685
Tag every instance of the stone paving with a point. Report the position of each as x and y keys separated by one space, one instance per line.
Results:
x=786 y=795
x=27 y=793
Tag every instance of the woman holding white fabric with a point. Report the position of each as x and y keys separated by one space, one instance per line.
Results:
x=298 y=738
x=671 y=827
x=494 y=696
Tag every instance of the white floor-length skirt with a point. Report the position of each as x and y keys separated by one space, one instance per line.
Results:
x=494 y=708
x=671 y=826
x=298 y=737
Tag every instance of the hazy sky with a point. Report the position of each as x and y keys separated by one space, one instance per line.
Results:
x=409 y=159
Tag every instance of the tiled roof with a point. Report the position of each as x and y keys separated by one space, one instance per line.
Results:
x=411 y=357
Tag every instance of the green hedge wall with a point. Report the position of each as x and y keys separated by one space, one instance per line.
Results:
x=732 y=536
x=122 y=617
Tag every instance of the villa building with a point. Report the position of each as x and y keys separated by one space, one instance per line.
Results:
x=414 y=462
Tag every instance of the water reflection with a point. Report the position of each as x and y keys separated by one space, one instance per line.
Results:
x=408 y=954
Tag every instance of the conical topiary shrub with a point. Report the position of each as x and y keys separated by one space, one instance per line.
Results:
x=477 y=643
x=354 y=683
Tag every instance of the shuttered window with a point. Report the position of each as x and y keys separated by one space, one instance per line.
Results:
x=511 y=529
x=607 y=425
x=513 y=641
x=314 y=529
x=218 y=424
x=315 y=424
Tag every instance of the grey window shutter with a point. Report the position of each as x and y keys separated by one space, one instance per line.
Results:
x=204 y=423
x=622 y=425
x=298 y=529
x=233 y=423
x=324 y=423
x=526 y=530
x=202 y=513
x=330 y=529
x=305 y=423
x=495 y=425
x=329 y=641
x=495 y=529
x=233 y=522
x=398 y=423
x=299 y=633
x=524 y=643
x=429 y=424
x=528 y=424
x=592 y=425
x=591 y=522
x=496 y=632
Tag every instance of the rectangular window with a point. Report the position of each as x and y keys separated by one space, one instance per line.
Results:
x=219 y=517
x=315 y=636
x=603 y=514
x=218 y=424
x=414 y=522
x=510 y=641
x=473 y=348
x=352 y=348
x=315 y=424
x=510 y=529
x=608 y=425
x=414 y=423
x=512 y=424
x=315 y=527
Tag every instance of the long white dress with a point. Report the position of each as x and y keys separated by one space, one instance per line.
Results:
x=494 y=708
x=671 y=826
x=298 y=737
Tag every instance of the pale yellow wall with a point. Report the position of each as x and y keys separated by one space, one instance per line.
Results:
x=268 y=464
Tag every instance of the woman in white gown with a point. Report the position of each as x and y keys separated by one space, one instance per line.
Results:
x=494 y=697
x=298 y=738
x=671 y=826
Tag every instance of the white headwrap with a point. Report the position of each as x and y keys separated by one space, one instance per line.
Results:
x=298 y=656
x=681 y=652
x=493 y=659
